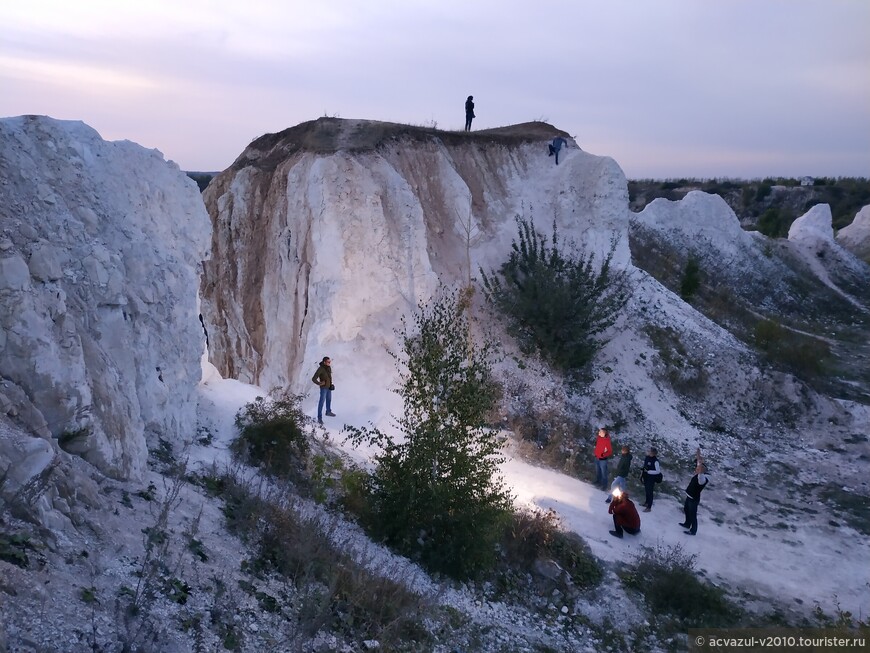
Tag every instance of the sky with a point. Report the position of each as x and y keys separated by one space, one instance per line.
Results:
x=668 y=88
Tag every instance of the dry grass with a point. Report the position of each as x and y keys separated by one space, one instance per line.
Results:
x=338 y=592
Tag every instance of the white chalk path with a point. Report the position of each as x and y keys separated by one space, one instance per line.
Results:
x=782 y=564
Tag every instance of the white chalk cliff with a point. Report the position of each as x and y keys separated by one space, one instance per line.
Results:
x=315 y=242
x=101 y=244
x=856 y=236
x=323 y=233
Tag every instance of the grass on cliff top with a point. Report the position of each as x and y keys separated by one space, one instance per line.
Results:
x=327 y=135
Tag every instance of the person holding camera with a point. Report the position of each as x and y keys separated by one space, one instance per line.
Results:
x=650 y=475
x=323 y=378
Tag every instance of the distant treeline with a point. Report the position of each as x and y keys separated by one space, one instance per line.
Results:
x=202 y=179
x=770 y=204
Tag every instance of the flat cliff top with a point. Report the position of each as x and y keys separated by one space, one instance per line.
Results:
x=327 y=135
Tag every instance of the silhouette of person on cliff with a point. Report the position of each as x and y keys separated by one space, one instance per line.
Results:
x=469 y=112
x=557 y=144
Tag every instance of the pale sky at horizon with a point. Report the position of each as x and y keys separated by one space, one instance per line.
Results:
x=668 y=88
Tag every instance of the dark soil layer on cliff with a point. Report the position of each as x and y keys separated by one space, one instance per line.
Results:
x=327 y=135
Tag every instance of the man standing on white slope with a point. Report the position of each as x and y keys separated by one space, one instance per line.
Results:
x=693 y=495
x=323 y=378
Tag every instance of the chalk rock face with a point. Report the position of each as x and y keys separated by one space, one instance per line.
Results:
x=100 y=249
x=814 y=225
x=335 y=227
x=43 y=485
x=813 y=236
x=701 y=221
x=856 y=236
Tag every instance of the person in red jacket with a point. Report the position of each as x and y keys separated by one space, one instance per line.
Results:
x=603 y=451
x=625 y=515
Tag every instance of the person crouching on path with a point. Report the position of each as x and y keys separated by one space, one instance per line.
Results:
x=323 y=378
x=624 y=513
x=603 y=451
x=621 y=473
x=650 y=475
x=693 y=495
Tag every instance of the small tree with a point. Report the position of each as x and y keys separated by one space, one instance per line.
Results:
x=436 y=494
x=556 y=302
x=691 y=278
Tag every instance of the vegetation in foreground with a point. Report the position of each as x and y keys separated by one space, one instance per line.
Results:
x=436 y=494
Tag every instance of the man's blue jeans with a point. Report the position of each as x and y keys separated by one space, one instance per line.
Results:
x=618 y=482
x=325 y=395
x=601 y=474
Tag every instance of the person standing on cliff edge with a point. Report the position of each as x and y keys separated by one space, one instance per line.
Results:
x=469 y=112
x=323 y=378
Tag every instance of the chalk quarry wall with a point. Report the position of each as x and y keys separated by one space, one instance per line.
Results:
x=318 y=248
x=101 y=245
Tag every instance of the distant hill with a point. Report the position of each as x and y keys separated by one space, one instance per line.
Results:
x=768 y=205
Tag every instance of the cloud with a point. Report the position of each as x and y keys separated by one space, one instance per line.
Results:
x=700 y=80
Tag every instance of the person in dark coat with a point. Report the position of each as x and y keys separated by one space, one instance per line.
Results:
x=650 y=475
x=557 y=144
x=625 y=517
x=469 y=112
x=621 y=473
x=693 y=495
x=323 y=378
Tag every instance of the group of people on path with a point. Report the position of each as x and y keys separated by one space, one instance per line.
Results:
x=625 y=516
x=553 y=147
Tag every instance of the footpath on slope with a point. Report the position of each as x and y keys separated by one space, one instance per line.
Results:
x=219 y=402
x=779 y=564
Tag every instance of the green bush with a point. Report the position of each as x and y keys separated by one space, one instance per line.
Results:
x=338 y=592
x=764 y=189
x=528 y=535
x=775 y=222
x=802 y=354
x=339 y=484
x=436 y=495
x=575 y=557
x=272 y=435
x=691 y=278
x=534 y=534
x=670 y=585
x=13 y=549
x=557 y=302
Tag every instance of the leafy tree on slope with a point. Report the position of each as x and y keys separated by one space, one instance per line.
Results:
x=436 y=494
